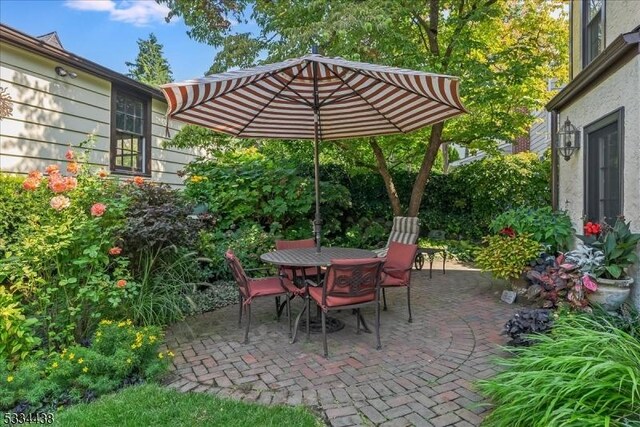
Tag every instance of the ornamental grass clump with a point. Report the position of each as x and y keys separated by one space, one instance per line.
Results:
x=585 y=373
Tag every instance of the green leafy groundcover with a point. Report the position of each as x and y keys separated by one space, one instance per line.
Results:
x=585 y=373
x=151 y=405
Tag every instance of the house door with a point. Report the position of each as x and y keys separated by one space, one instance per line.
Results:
x=603 y=169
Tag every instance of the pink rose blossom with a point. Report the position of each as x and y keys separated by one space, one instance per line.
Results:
x=60 y=202
x=69 y=155
x=98 y=209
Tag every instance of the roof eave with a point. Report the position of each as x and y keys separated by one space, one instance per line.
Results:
x=624 y=46
x=22 y=40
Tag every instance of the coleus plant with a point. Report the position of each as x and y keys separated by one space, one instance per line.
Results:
x=560 y=281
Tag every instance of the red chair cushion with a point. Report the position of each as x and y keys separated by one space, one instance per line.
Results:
x=297 y=244
x=389 y=280
x=333 y=301
x=398 y=263
x=265 y=287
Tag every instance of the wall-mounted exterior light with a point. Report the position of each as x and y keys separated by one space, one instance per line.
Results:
x=568 y=139
x=62 y=72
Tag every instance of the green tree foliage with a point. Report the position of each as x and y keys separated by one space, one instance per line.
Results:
x=150 y=66
x=504 y=51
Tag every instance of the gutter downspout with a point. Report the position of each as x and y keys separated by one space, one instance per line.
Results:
x=555 y=185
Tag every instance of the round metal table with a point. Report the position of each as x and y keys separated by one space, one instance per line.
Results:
x=310 y=257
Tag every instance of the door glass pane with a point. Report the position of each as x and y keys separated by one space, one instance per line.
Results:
x=603 y=174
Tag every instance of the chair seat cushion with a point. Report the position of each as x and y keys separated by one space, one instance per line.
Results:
x=389 y=280
x=333 y=301
x=265 y=287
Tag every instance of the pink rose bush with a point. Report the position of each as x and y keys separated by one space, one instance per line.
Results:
x=59 y=203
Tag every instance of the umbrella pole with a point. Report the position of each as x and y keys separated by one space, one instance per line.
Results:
x=317 y=223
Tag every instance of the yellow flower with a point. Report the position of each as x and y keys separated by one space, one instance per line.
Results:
x=71 y=356
x=160 y=355
x=121 y=324
x=106 y=322
x=98 y=334
x=129 y=361
x=133 y=346
x=80 y=361
x=9 y=378
x=152 y=338
x=85 y=369
x=54 y=365
x=170 y=353
x=129 y=322
x=64 y=351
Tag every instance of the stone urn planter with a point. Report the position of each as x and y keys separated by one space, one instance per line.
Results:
x=611 y=293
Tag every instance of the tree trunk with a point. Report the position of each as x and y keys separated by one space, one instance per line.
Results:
x=386 y=177
x=435 y=140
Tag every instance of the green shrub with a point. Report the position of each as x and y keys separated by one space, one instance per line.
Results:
x=507 y=257
x=585 y=373
x=119 y=352
x=17 y=339
x=552 y=229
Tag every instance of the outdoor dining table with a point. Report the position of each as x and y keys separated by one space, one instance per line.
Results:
x=310 y=257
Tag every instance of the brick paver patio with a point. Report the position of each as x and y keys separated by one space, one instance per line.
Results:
x=422 y=376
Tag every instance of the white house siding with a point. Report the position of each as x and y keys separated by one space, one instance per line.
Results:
x=621 y=88
x=539 y=133
x=52 y=112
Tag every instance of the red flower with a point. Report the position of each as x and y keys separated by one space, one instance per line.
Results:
x=121 y=283
x=69 y=155
x=508 y=231
x=115 y=250
x=592 y=229
x=57 y=183
x=98 y=209
x=52 y=169
x=138 y=180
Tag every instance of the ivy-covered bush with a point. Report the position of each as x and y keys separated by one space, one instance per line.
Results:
x=119 y=354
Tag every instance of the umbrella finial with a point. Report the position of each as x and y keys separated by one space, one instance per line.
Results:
x=314 y=49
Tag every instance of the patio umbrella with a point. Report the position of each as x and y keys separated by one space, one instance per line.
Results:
x=315 y=97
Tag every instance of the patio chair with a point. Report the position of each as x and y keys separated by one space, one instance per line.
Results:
x=405 y=229
x=294 y=277
x=348 y=283
x=251 y=288
x=396 y=271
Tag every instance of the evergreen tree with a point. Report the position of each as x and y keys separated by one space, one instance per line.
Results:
x=150 y=66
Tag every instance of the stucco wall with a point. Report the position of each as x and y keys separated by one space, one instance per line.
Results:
x=52 y=112
x=621 y=89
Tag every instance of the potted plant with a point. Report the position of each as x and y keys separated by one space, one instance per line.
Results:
x=607 y=254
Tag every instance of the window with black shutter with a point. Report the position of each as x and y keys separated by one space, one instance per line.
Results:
x=603 y=168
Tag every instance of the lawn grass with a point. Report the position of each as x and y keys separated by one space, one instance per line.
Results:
x=152 y=405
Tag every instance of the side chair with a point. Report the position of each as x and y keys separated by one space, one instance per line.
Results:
x=251 y=288
x=396 y=271
x=348 y=283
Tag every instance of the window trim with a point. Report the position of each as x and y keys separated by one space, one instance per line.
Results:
x=146 y=103
x=585 y=35
x=612 y=117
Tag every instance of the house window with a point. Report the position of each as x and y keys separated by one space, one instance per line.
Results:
x=593 y=29
x=603 y=168
x=130 y=133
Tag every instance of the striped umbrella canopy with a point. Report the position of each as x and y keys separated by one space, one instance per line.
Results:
x=315 y=97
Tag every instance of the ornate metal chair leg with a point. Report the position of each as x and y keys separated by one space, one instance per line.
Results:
x=431 y=258
x=289 y=313
x=384 y=298
x=378 y=325
x=278 y=311
x=240 y=311
x=308 y=319
x=409 y=302
x=246 y=331
x=324 y=335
